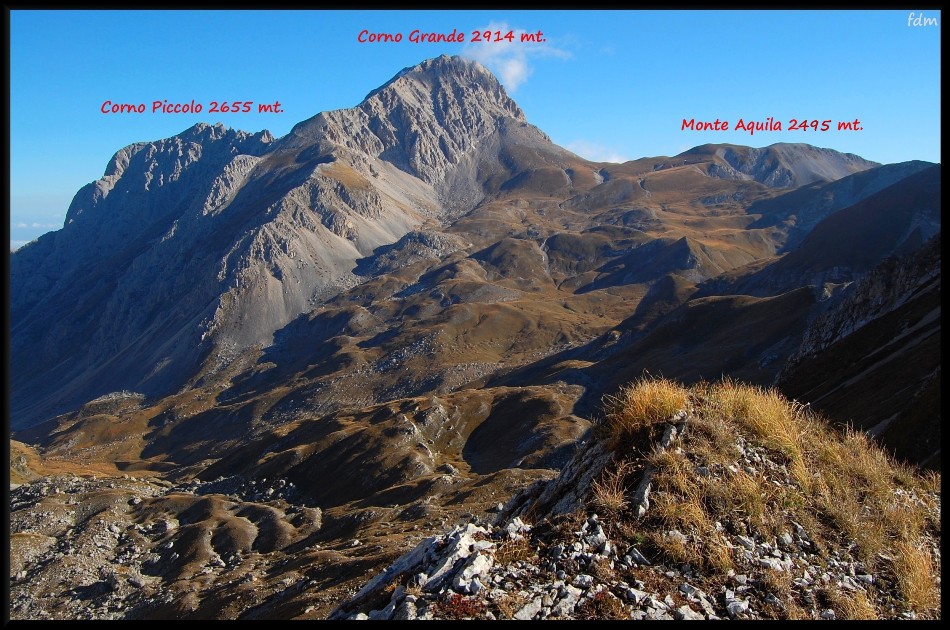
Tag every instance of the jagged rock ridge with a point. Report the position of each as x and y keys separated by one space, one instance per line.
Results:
x=871 y=356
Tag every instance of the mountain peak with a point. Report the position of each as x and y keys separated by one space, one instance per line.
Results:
x=779 y=165
x=423 y=121
x=194 y=152
x=445 y=81
x=451 y=73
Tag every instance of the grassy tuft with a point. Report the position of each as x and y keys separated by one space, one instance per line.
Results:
x=603 y=605
x=854 y=605
x=780 y=584
x=646 y=402
x=752 y=462
x=509 y=604
x=915 y=575
x=609 y=493
x=513 y=551
x=764 y=412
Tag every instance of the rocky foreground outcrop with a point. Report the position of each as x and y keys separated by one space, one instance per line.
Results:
x=590 y=545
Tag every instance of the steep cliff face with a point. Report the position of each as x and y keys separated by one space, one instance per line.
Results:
x=145 y=189
x=885 y=289
x=872 y=356
x=423 y=121
x=112 y=300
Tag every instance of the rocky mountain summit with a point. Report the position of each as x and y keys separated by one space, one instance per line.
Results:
x=251 y=373
x=424 y=121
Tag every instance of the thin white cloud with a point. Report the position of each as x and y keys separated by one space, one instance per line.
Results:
x=596 y=152
x=36 y=225
x=510 y=60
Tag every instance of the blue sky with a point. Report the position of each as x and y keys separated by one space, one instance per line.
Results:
x=609 y=85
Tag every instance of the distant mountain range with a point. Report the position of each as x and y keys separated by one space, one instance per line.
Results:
x=194 y=254
x=422 y=301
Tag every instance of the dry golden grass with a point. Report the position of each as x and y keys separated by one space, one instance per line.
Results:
x=602 y=571
x=513 y=551
x=681 y=513
x=603 y=605
x=718 y=443
x=851 y=605
x=675 y=473
x=914 y=569
x=509 y=604
x=868 y=465
x=839 y=485
x=609 y=493
x=858 y=607
x=414 y=588
x=766 y=413
x=673 y=548
x=707 y=549
x=717 y=555
x=679 y=503
x=780 y=584
x=930 y=479
x=646 y=402
x=748 y=498
x=855 y=487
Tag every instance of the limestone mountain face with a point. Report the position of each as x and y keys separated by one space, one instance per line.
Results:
x=240 y=233
x=424 y=121
x=886 y=288
x=90 y=303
